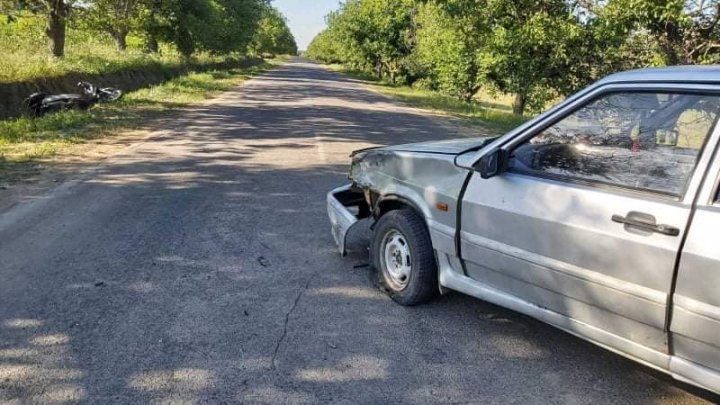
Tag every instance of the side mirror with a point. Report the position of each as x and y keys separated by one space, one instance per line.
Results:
x=492 y=164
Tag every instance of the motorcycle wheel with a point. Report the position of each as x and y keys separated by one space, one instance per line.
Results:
x=110 y=94
x=32 y=106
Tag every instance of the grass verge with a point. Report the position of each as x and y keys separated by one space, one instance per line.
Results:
x=487 y=112
x=23 y=45
x=25 y=140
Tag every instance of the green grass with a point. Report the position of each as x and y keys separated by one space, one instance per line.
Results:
x=481 y=113
x=26 y=57
x=26 y=139
x=492 y=113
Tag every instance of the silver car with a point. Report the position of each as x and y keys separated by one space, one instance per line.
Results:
x=600 y=217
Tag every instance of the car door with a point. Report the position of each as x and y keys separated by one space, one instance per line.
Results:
x=588 y=220
x=695 y=321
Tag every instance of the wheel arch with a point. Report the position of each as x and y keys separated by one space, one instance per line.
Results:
x=390 y=202
x=382 y=204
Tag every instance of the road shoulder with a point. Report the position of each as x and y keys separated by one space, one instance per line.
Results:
x=28 y=180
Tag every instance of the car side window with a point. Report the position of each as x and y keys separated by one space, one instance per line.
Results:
x=640 y=140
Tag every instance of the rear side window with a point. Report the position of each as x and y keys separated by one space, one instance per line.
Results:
x=645 y=141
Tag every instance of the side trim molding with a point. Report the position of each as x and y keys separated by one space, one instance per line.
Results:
x=694 y=374
x=697 y=307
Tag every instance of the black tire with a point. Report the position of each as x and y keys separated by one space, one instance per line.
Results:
x=110 y=94
x=422 y=283
x=32 y=106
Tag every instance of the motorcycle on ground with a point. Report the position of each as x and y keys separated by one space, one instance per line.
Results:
x=39 y=104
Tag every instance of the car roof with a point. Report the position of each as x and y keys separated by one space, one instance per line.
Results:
x=675 y=74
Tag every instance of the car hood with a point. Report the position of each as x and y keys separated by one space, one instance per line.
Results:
x=449 y=147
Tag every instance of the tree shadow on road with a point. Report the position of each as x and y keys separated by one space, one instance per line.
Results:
x=199 y=267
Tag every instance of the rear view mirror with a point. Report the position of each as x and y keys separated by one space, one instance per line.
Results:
x=492 y=164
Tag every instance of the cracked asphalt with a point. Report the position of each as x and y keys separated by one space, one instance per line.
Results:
x=197 y=267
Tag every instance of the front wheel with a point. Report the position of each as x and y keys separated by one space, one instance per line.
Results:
x=402 y=254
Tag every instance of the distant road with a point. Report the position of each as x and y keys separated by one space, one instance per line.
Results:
x=198 y=266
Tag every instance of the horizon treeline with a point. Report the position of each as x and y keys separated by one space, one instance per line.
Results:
x=535 y=50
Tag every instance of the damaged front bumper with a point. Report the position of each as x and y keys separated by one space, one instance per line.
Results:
x=346 y=206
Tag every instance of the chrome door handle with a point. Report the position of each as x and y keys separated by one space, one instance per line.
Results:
x=647 y=225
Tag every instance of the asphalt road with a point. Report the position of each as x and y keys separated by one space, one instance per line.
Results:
x=197 y=266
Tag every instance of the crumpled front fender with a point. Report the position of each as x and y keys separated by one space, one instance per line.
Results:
x=346 y=206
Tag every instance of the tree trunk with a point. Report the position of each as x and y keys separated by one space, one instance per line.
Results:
x=519 y=103
x=466 y=96
x=671 y=41
x=55 y=30
x=185 y=44
x=151 y=28
x=151 y=44
x=469 y=93
x=121 y=40
x=671 y=55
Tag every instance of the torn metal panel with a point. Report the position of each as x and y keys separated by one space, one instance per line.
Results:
x=346 y=206
x=423 y=178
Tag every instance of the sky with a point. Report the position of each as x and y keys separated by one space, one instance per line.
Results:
x=306 y=18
